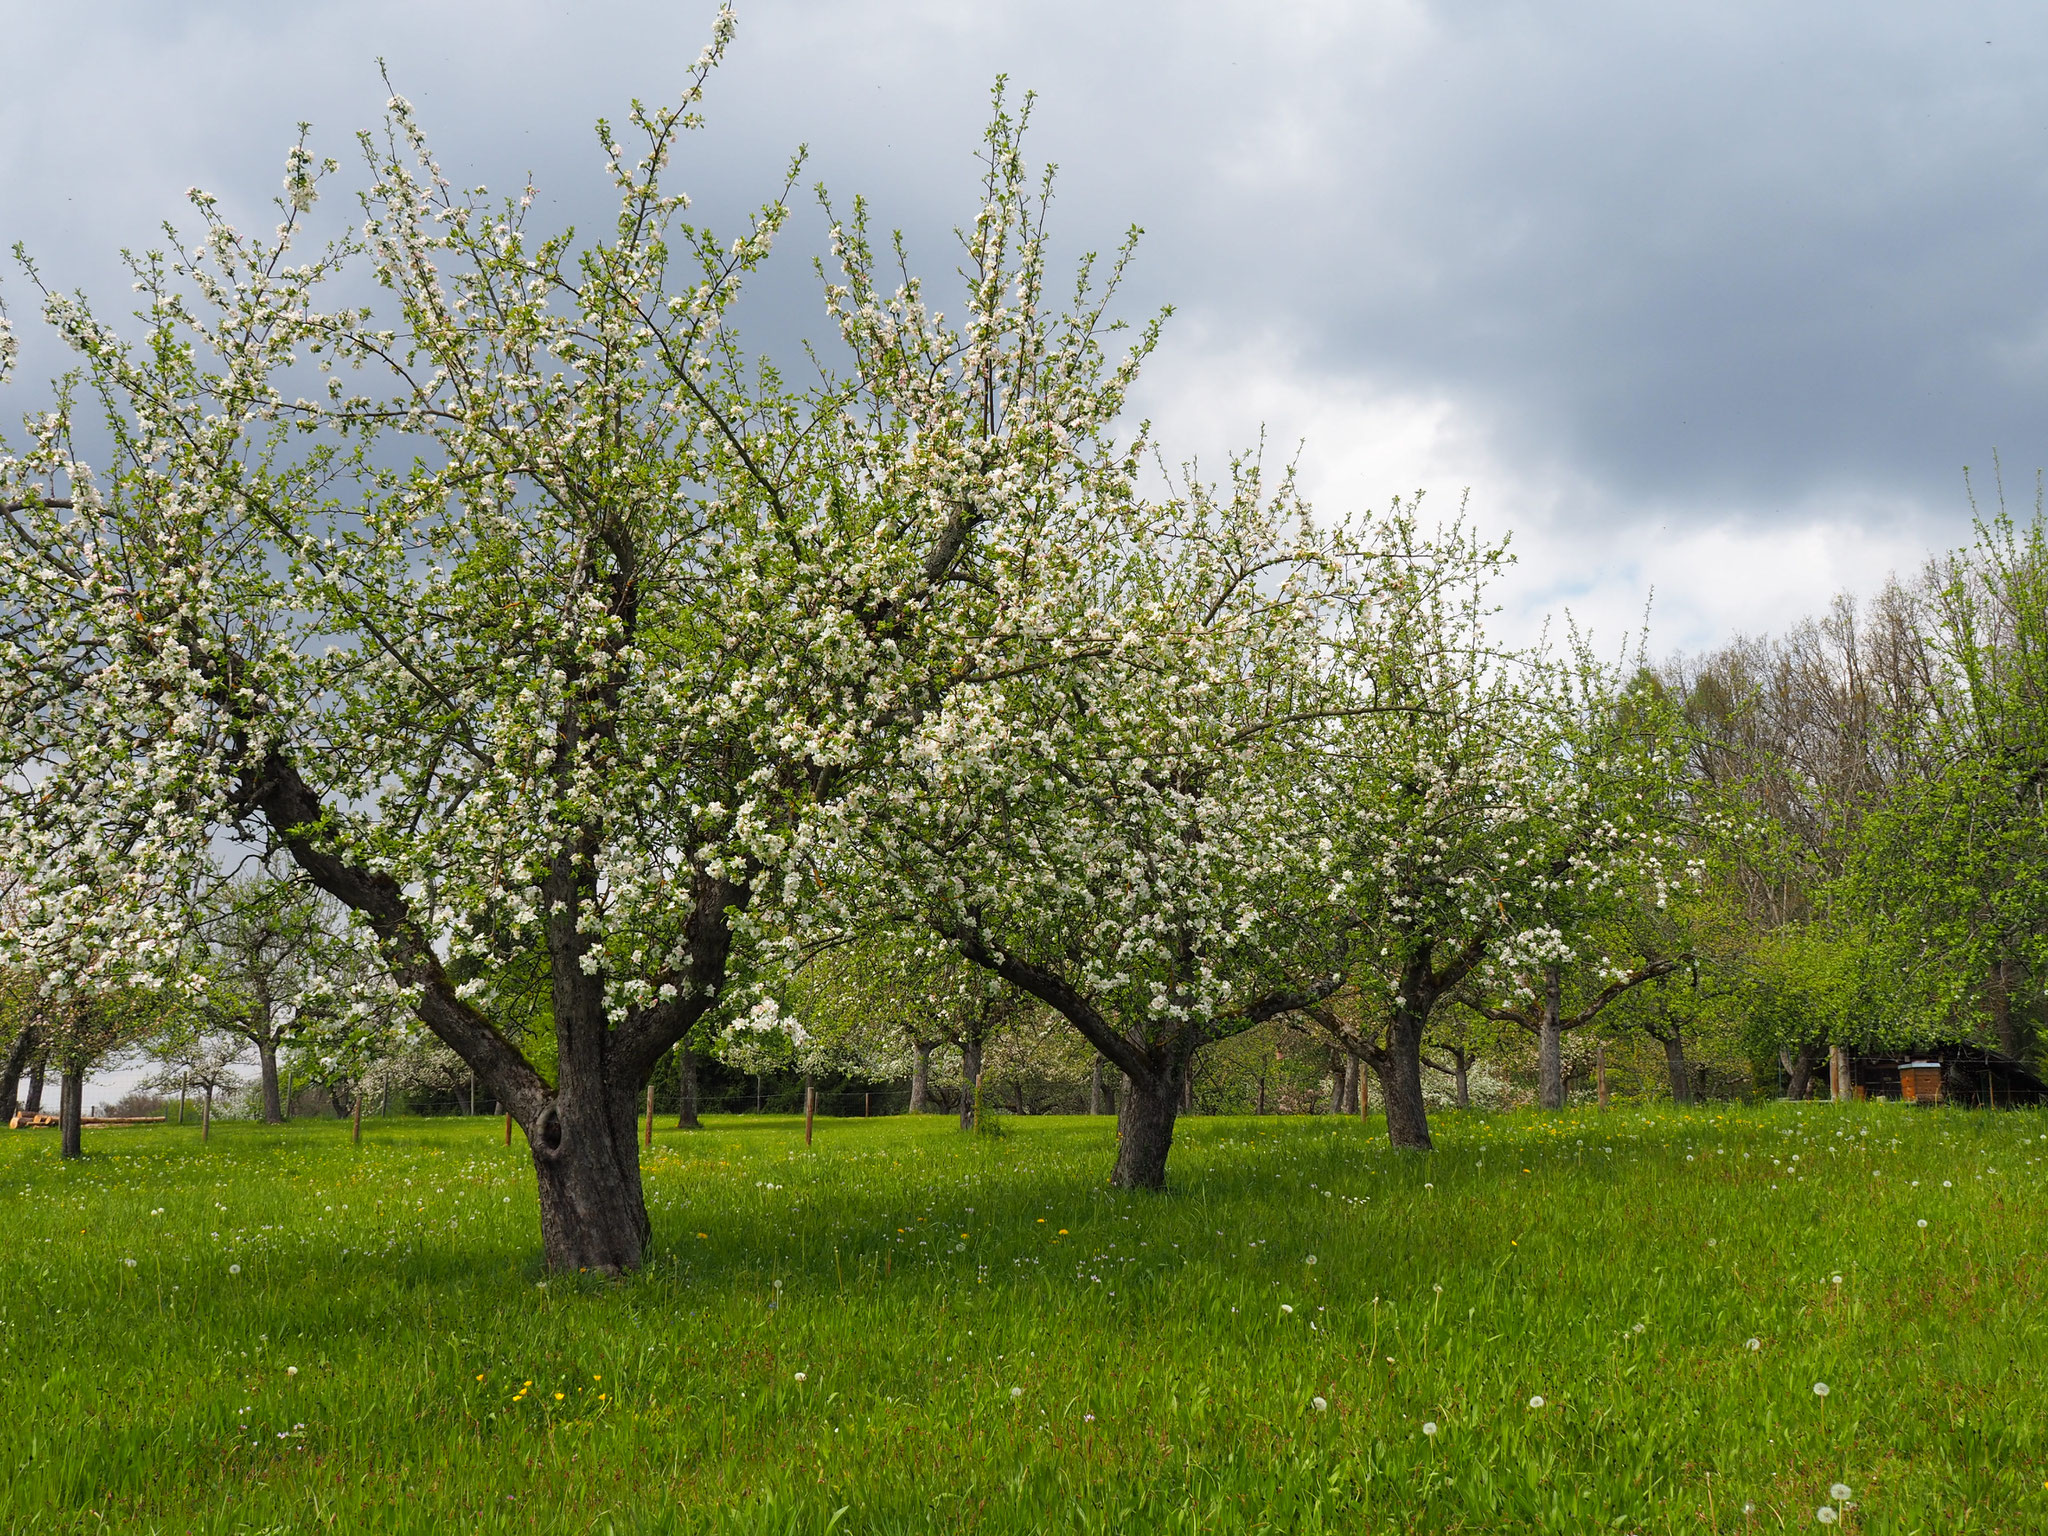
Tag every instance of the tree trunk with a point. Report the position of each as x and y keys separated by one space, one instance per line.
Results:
x=970 y=1072
x=1600 y=1073
x=33 y=1104
x=70 y=1109
x=266 y=1064
x=1461 y=1080
x=920 y=1078
x=1399 y=1070
x=1801 y=1073
x=1095 y=1088
x=10 y=1072
x=1144 y=1129
x=206 y=1116
x=1999 y=988
x=1677 y=1069
x=1336 y=1083
x=1550 y=1046
x=1262 y=1094
x=1351 y=1076
x=686 y=1089
x=586 y=1159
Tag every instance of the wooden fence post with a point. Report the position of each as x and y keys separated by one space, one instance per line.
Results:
x=810 y=1108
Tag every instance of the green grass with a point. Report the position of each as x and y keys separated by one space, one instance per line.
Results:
x=388 y=1357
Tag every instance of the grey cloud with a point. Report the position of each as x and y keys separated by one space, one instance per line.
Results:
x=1671 y=267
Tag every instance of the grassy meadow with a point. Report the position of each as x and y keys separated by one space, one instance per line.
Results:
x=904 y=1328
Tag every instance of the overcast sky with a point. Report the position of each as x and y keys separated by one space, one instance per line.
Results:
x=1716 y=299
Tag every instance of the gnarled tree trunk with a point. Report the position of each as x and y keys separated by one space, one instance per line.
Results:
x=1399 y=1069
x=586 y=1158
x=10 y=1073
x=1144 y=1129
x=1799 y=1071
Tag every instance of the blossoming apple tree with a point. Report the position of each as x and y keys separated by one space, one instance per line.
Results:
x=530 y=616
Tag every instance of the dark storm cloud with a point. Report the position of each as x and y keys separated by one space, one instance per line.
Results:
x=1658 y=270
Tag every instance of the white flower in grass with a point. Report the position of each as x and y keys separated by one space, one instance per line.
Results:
x=1754 y=1344
x=1318 y=1403
x=129 y=1262
x=1820 y=1389
x=1826 y=1514
x=1923 y=1221
x=1429 y=1428
x=234 y=1269
x=1536 y=1402
x=291 y=1370
x=800 y=1376
x=1840 y=1492
x=1016 y=1392
x=1286 y=1309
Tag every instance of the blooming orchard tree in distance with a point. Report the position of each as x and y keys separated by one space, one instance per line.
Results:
x=531 y=619
x=1139 y=838
x=1504 y=794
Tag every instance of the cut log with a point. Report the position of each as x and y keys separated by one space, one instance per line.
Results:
x=24 y=1121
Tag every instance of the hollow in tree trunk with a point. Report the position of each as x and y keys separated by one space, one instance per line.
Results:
x=586 y=1159
x=70 y=1110
x=266 y=1065
x=686 y=1089
x=1399 y=1069
x=1675 y=1066
x=920 y=1077
x=1144 y=1129
x=1550 y=1045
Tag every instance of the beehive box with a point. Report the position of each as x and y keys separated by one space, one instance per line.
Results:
x=1920 y=1082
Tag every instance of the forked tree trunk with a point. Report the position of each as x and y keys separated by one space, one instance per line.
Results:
x=920 y=1077
x=586 y=1159
x=1675 y=1065
x=1144 y=1129
x=266 y=1065
x=1550 y=1045
x=70 y=1110
x=970 y=1072
x=1399 y=1069
x=686 y=1089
